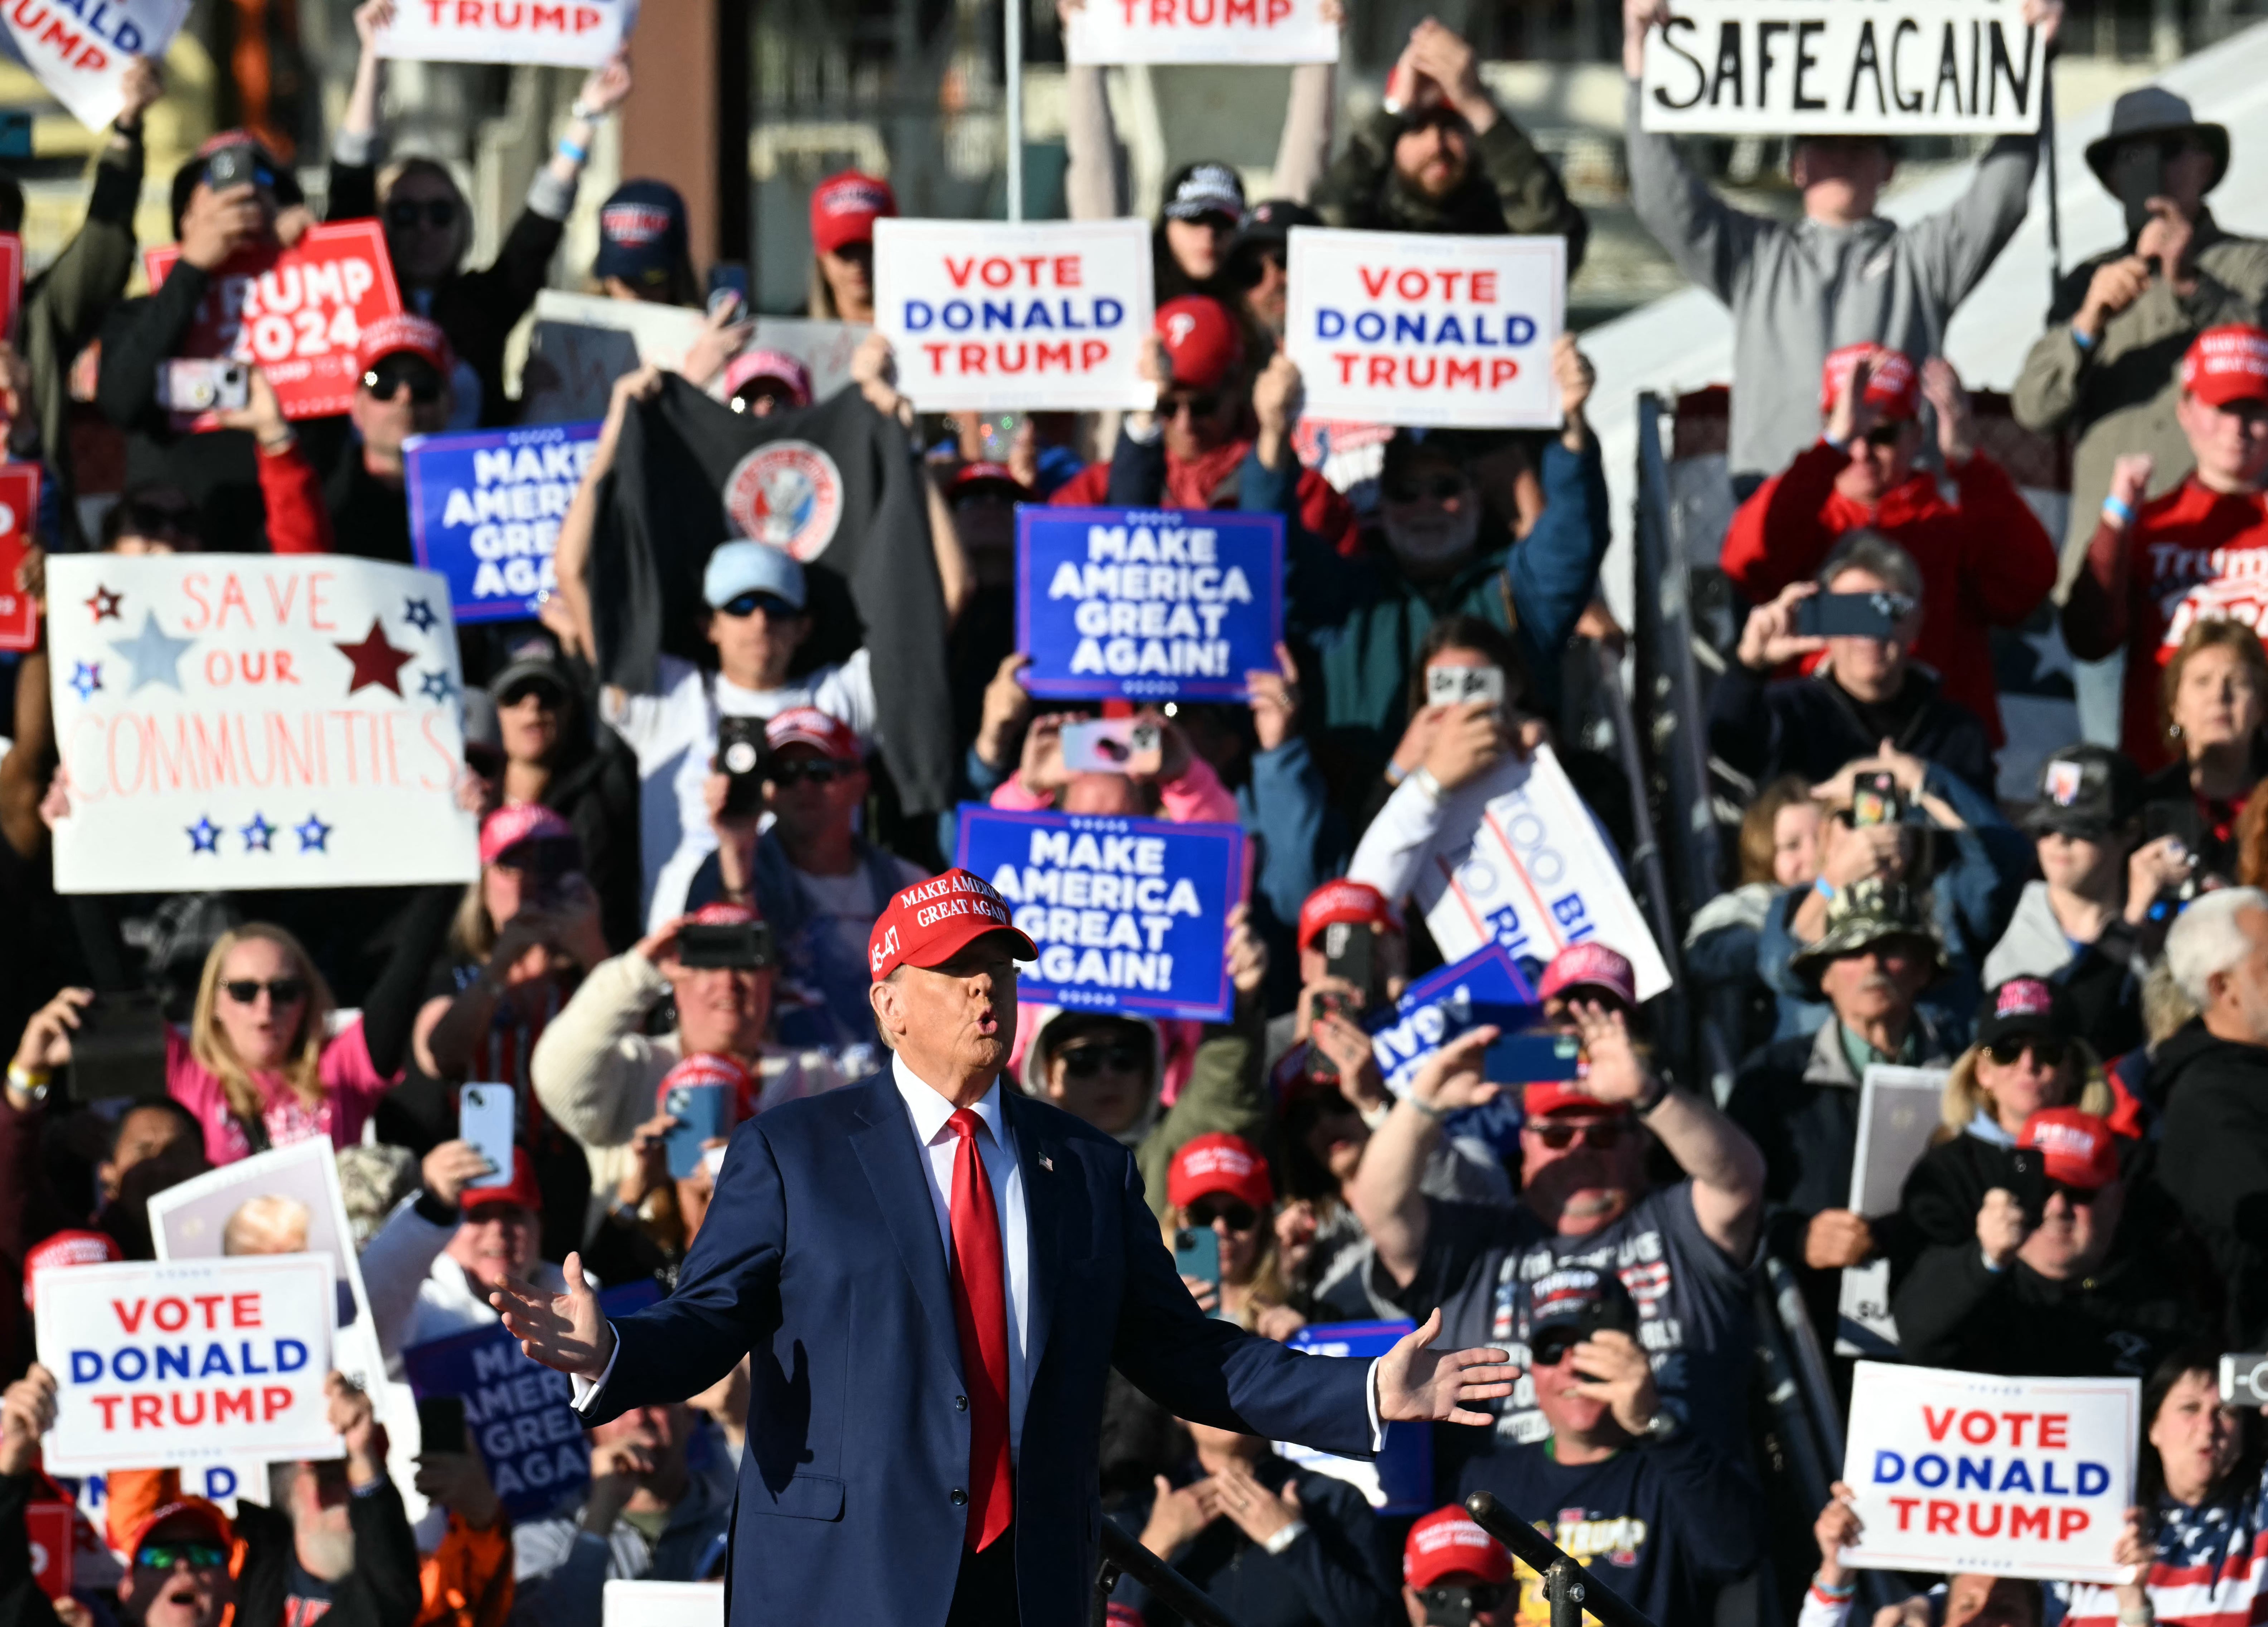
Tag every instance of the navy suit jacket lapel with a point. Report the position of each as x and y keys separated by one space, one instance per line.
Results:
x=892 y=1158
x=1044 y=1166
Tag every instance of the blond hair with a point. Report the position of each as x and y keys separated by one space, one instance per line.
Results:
x=260 y=1222
x=1267 y=1287
x=209 y=1040
x=1965 y=1094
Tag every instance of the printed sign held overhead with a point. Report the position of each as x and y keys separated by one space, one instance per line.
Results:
x=1402 y=328
x=1883 y=67
x=1200 y=31
x=983 y=316
x=80 y=53
x=569 y=33
x=485 y=508
x=19 y=510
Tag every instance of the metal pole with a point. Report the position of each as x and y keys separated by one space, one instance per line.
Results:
x=1563 y=1590
x=2055 y=188
x=1540 y=1554
x=1012 y=12
x=1172 y=1589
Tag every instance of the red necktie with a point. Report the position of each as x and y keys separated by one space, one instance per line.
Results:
x=980 y=1312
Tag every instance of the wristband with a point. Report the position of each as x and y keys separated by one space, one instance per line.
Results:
x=1285 y=1537
x=1832 y=1595
x=1422 y=777
x=1819 y=885
x=581 y=110
x=2081 y=337
x=1427 y=1108
x=1826 y=439
x=572 y=153
x=2118 y=508
x=32 y=1081
x=2142 y=1615
x=1660 y=1095
x=1987 y=1257
x=1394 y=773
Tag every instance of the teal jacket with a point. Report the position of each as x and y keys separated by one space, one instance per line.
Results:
x=1360 y=621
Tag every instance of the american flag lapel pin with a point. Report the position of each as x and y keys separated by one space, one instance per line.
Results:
x=1047 y=1164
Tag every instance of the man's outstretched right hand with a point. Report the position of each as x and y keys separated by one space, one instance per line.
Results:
x=565 y=1332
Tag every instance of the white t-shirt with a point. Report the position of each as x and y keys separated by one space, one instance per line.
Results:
x=845 y=908
x=674 y=734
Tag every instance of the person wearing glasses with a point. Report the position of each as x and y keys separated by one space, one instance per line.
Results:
x=2079 y=1277
x=819 y=884
x=1649 y=1508
x=1983 y=560
x=429 y=225
x=1867 y=689
x=1220 y=1183
x=1454 y=1574
x=1585 y=1196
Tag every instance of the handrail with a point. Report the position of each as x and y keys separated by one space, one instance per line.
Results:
x=1122 y=1553
x=1573 y=1592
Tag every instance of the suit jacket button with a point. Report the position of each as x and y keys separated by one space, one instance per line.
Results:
x=961 y=1403
x=960 y=1498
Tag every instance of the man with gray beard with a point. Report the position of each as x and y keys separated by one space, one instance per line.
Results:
x=1799 y=1097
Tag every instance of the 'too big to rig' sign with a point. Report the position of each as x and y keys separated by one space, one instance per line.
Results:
x=1400 y=328
x=159 y=1364
x=1966 y=1471
x=1045 y=317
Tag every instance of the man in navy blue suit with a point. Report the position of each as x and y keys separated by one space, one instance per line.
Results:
x=933 y=1274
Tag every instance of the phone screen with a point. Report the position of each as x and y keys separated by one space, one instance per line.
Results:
x=1531 y=1057
x=441 y=1423
x=1875 y=799
x=1850 y=615
x=1113 y=745
x=486 y=1117
x=1447 y=686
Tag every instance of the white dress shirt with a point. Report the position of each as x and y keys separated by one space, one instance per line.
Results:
x=932 y=1116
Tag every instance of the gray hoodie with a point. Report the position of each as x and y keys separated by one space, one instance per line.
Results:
x=1797 y=290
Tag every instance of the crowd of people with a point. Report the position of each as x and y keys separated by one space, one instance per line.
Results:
x=2085 y=966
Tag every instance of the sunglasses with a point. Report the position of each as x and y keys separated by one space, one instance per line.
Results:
x=547 y=695
x=1552 y=1348
x=1560 y=1137
x=1085 y=1062
x=1480 y=1596
x=1440 y=488
x=437 y=212
x=282 y=991
x=2009 y=1052
x=385 y=381
x=1885 y=435
x=543 y=855
x=2078 y=1197
x=819 y=771
x=165 y=1556
x=774 y=607
x=1240 y=1216
x=1197 y=403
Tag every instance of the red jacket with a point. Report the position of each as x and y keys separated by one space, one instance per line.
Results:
x=1325 y=513
x=297 y=522
x=2193 y=555
x=1985 y=561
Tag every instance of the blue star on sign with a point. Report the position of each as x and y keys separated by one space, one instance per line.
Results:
x=156 y=655
x=420 y=615
x=435 y=685
x=87 y=677
x=257 y=834
x=313 y=835
x=204 y=837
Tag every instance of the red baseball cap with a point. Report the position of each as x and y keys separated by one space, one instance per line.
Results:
x=390 y=336
x=809 y=726
x=1346 y=900
x=1447 y=1542
x=776 y=365
x=1201 y=339
x=59 y=1249
x=521 y=822
x=1589 y=965
x=1893 y=382
x=929 y=922
x=2226 y=364
x=206 y=1514
x=705 y=1068
x=1218 y=1163
x=520 y=1189
x=990 y=474
x=1546 y=1096
x=722 y=915
x=2078 y=1148
x=844 y=208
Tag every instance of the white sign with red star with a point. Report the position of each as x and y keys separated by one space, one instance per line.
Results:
x=244 y=720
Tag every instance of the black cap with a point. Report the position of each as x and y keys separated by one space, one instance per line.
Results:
x=535 y=657
x=2090 y=792
x=1205 y=188
x=1270 y=222
x=1573 y=1303
x=2025 y=1005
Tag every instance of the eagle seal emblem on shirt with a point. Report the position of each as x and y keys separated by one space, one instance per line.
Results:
x=788 y=494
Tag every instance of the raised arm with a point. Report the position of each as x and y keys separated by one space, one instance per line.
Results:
x=1386 y=1195
x=1090 y=138
x=571 y=551
x=1710 y=241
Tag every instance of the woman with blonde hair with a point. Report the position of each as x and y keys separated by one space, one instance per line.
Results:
x=2216 y=707
x=263 y=1063
x=2027 y=1056
x=1220 y=1183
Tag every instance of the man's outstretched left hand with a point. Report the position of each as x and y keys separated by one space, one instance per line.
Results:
x=1418 y=1382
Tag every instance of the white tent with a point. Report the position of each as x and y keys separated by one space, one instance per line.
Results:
x=1685 y=341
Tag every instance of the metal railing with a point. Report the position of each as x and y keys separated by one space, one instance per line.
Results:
x=1571 y=1594
x=1121 y=1555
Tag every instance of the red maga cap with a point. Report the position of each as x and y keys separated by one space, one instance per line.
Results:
x=520 y=822
x=929 y=922
x=809 y=726
x=776 y=365
x=1546 y=1096
x=520 y=1190
x=844 y=208
x=59 y=1249
x=1218 y=1163
x=2226 y=364
x=1589 y=965
x=1345 y=900
x=705 y=1068
x=2077 y=1147
x=390 y=336
x=215 y=1523
x=1201 y=339
x=1893 y=382
x=1447 y=1542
